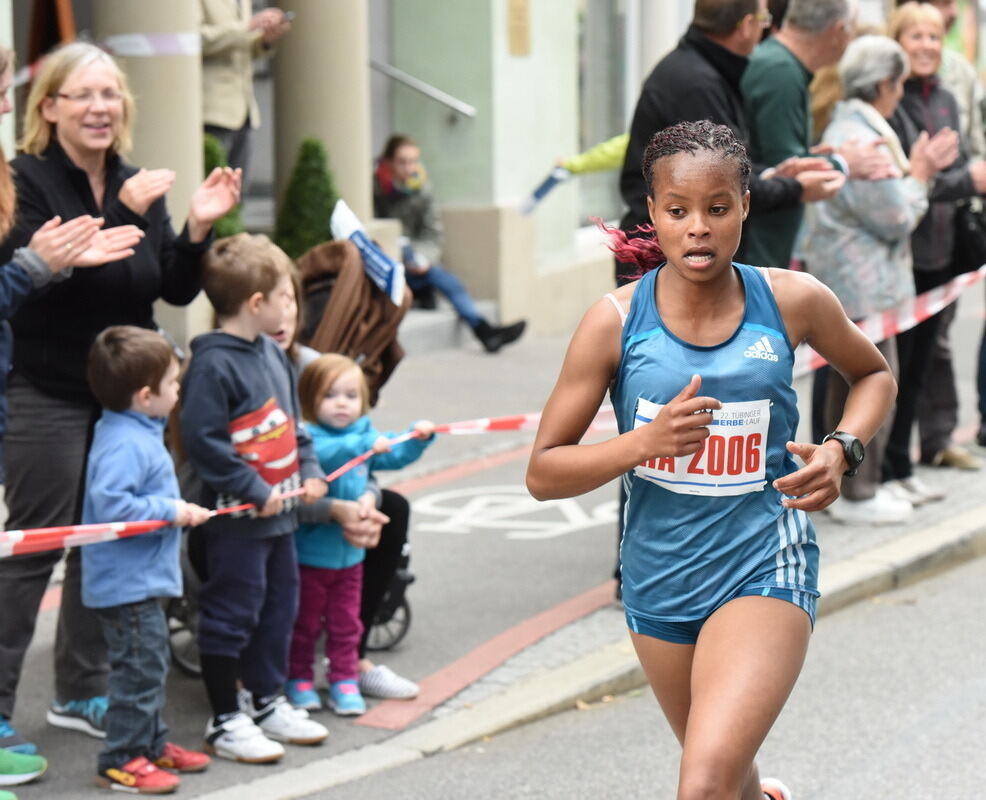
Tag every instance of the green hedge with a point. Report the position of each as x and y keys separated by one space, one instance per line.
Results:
x=303 y=218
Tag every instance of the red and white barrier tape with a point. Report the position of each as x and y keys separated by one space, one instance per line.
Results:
x=604 y=421
x=39 y=540
x=896 y=320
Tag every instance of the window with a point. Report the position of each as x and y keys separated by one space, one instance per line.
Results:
x=602 y=106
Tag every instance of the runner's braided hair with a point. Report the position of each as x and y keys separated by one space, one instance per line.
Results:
x=685 y=137
x=690 y=137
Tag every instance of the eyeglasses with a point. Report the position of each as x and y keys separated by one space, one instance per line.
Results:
x=765 y=18
x=86 y=98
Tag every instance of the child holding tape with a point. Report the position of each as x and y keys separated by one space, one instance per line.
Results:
x=380 y=528
x=130 y=476
x=240 y=431
x=334 y=402
x=719 y=559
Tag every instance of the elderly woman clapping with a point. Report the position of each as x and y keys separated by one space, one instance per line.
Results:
x=77 y=127
x=858 y=243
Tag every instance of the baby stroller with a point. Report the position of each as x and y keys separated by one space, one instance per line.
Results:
x=344 y=312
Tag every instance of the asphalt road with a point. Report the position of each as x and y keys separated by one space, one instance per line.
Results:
x=891 y=705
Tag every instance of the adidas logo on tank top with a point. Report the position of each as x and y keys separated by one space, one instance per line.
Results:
x=761 y=349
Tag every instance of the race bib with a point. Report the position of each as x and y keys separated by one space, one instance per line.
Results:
x=732 y=459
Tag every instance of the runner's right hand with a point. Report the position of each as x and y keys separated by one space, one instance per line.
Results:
x=683 y=424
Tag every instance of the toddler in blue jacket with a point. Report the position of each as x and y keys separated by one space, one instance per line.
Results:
x=130 y=477
x=334 y=401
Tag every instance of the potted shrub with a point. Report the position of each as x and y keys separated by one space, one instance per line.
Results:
x=310 y=196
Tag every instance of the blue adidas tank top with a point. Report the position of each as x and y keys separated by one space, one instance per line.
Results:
x=699 y=527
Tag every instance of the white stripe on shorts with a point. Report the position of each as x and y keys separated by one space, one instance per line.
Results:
x=780 y=576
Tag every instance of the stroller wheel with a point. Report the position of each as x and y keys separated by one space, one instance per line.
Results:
x=183 y=637
x=385 y=634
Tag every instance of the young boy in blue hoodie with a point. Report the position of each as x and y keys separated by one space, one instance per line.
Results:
x=241 y=434
x=130 y=477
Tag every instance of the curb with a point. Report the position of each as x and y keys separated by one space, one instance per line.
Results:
x=614 y=668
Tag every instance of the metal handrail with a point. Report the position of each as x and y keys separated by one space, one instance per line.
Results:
x=425 y=88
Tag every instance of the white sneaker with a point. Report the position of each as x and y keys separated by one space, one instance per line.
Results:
x=383 y=682
x=282 y=721
x=881 y=509
x=915 y=490
x=238 y=739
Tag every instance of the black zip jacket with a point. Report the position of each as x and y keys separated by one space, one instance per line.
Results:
x=695 y=81
x=55 y=326
x=929 y=106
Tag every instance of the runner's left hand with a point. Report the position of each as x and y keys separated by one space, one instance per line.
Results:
x=817 y=484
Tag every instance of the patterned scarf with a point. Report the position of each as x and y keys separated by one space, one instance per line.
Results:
x=390 y=185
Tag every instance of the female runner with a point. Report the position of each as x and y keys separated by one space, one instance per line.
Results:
x=719 y=558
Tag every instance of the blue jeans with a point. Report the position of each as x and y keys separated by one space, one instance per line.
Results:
x=137 y=645
x=441 y=280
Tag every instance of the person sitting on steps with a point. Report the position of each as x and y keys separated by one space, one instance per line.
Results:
x=401 y=191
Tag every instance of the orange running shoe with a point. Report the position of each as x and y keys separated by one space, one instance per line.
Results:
x=773 y=789
x=182 y=760
x=138 y=776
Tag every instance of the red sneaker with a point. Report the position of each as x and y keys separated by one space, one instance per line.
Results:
x=138 y=776
x=182 y=760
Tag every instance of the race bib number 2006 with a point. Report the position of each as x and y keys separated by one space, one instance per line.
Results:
x=731 y=461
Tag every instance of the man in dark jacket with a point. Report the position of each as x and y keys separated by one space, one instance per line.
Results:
x=700 y=79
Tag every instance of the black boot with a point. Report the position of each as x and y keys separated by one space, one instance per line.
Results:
x=494 y=337
x=424 y=298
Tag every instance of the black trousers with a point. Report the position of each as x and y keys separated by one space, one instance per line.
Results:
x=46 y=447
x=382 y=561
x=915 y=349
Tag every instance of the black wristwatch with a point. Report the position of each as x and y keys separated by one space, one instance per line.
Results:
x=852 y=448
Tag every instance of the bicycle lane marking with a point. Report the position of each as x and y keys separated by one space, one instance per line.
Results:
x=509 y=508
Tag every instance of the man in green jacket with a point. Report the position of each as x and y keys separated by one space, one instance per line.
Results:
x=814 y=34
